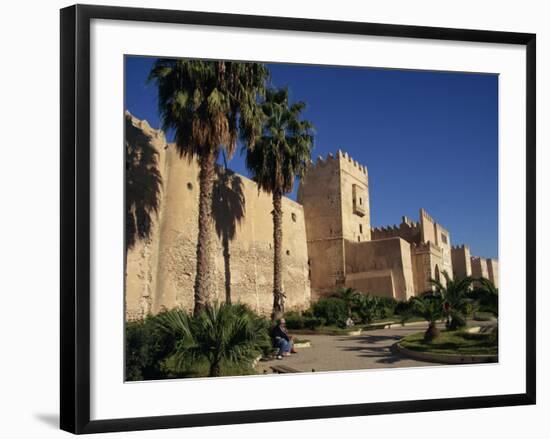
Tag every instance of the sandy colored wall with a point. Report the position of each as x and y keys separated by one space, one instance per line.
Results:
x=479 y=268
x=244 y=251
x=335 y=196
x=427 y=227
x=141 y=264
x=462 y=265
x=370 y=265
x=492 y=271
x=322 y=211
x=376 y=282
x=408 y=230
x=427 y=263
x=443 y=240
x=354 y=189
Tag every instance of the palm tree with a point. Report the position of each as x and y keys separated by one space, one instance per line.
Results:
x=280 y=155
x=454 y=294
x=223 y=333
x=349 y=296
x=207 y=104
x=487 y=295
x=429 y=307
x=367 y=307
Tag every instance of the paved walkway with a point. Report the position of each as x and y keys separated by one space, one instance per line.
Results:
x=369 y=350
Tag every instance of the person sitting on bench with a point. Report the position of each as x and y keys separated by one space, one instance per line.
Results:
x=282 y=340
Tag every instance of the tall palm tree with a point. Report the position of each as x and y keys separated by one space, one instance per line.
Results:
x=280 y=155
x=222 y=333
x=454 y=294
x=207 y=104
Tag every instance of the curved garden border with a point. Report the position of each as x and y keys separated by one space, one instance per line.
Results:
x=445 y=358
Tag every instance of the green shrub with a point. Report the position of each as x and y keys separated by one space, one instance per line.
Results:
x=222 y=335
x=333 y=310
x=367 y=308
x=294 y=320
x=386 y=307
x=313 y=322
x=146 y=348
x=403 y=308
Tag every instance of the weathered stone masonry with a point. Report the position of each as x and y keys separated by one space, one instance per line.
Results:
x=328 y=241
x=160 y=272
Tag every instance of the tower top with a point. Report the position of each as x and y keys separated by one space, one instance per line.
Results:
x=343 y=159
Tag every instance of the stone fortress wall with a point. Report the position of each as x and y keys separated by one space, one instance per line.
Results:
x=160 y=272
x=328 y=241
x=394 y=261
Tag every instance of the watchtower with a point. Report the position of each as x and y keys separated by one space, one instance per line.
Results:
x=335 y=197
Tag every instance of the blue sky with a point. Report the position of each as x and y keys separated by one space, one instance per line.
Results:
x=428 y=139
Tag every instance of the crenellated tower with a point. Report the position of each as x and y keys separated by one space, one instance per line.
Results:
x=335 y=197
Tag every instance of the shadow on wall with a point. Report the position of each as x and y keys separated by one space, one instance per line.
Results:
x=228 y=210
x=143 y=184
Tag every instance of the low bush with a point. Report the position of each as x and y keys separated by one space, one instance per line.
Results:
x=313 y=322
x=222 y=335
x=295 y=320
x=403 y=308
x=146 y=348
x=333 y=310
x=386 y=307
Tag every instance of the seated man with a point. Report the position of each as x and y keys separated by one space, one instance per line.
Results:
x=282 y=340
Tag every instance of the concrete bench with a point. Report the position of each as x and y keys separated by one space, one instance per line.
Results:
x=284 y=369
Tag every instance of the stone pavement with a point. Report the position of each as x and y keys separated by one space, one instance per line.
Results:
x=369 y=350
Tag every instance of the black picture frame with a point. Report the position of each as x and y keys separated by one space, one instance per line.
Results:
x=75 y=217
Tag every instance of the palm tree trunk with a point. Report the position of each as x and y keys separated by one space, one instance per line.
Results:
x=215 y=369
x=278 y=295
x=432 y=332
x=204 y=280
x=227 y=267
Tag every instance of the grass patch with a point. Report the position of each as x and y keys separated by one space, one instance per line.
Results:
x=301 y=340
x=327 y=330
x=395 y=319
x=482 y=316
x=453 y=342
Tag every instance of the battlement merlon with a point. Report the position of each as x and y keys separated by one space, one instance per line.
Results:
x=145 y=127
x=343 y=159
x=348 y=163
x=461 y=247
x=426 y=215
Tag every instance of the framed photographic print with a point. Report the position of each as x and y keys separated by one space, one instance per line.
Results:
x=286 y=218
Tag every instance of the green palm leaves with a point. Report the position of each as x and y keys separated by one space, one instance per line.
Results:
x=221 y=333
x=279 y=156
x=207 y=105
x=454 y=294
x=430 y=308
x=283 y=151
